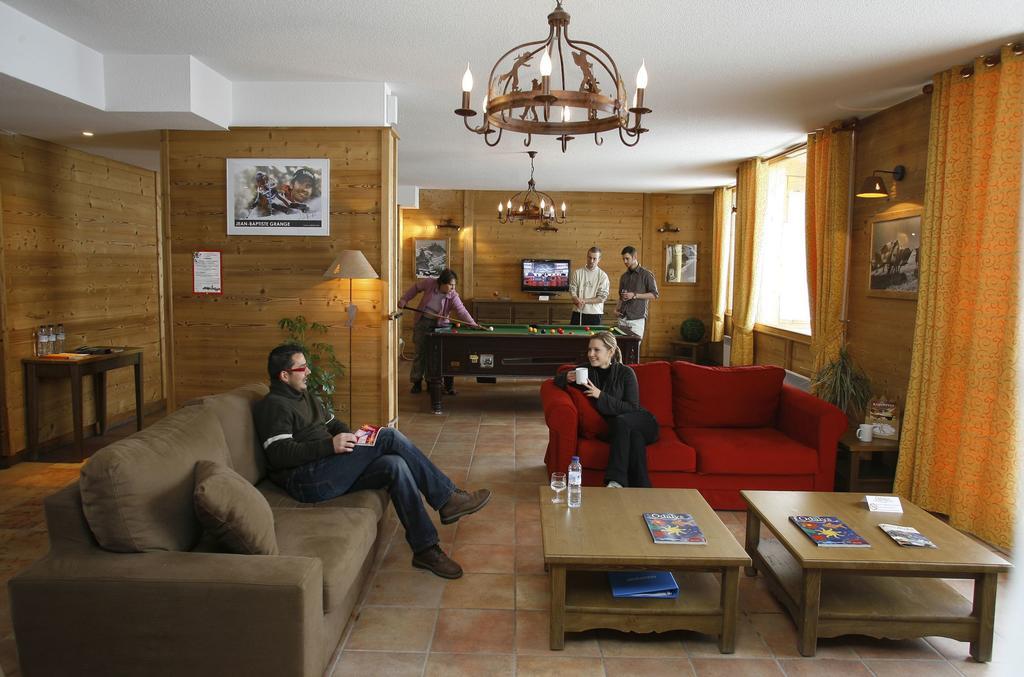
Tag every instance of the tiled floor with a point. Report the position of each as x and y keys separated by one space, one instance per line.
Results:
x=493 y=621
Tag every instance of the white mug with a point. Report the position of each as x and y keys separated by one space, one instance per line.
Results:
x=865 y=432
x=581 y=376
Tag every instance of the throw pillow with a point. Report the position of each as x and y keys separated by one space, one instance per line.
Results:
x=233 y=510
x=592 y=423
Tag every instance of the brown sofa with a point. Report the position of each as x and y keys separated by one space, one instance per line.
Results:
x=193 y=610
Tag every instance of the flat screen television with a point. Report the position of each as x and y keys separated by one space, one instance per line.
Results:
x=545 y=276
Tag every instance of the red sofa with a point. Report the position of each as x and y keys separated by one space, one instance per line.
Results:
x=723 y=429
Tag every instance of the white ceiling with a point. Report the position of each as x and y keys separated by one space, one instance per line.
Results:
x=728 y=78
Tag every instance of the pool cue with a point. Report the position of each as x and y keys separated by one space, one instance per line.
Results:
x=439 y=317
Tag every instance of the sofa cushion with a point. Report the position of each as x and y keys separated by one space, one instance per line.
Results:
x=233 y=511
x=137 y=492
x=375 y=500
x=341 y=538
x=655 y=382
x=749 y=451
x=725 y=397
x=234 y=411
x=668 y=454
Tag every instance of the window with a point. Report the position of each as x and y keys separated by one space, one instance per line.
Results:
x=782 y=296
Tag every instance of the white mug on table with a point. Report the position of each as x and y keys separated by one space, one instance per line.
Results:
x=865 y=432
x=581 y=376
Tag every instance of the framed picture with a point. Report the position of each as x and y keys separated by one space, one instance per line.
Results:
x=431 y=257
x=894 y=268
x=681 y=263
x=278 y=197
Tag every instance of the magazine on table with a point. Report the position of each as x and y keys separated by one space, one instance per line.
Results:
x=653 y=584
x=907 y=536
x=829 y=532
x=366 y=436
x=671 y=527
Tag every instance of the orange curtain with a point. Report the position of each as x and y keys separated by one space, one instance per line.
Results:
x=721 y=215
x=827 y=233
x=751 y=197
x=958 y=454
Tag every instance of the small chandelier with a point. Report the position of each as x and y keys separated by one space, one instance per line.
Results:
x=531 y=205
x=511 y=104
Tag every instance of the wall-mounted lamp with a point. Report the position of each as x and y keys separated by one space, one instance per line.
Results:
x=874 y=186
x=668 y=228
x=449 y=223
x=546 y=228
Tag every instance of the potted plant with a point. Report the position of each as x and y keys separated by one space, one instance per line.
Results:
x=325 y=367
x=842 y=383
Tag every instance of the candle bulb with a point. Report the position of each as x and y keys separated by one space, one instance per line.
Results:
x=563 y=210
x=545 y=63
x=467 y=80
x=501 y=208
x=542 y=205
x=641 y=75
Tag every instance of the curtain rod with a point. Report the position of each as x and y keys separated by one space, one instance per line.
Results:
x=990 y=60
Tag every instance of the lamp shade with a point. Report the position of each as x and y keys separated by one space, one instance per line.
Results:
x=873 y=186
x=351 y=265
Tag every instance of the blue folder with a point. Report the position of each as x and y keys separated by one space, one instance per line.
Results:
x=656 y=584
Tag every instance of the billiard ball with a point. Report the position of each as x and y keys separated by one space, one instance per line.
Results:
x=490 y=328
x=543 y=331
x=457 y=325
x=587 y=328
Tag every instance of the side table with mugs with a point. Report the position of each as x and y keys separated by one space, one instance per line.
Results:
x=865 y=461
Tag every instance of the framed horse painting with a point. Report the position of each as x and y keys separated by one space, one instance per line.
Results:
x=895 y=264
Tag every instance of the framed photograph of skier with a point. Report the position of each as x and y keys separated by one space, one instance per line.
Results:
x=278 y=197
x=431 y=257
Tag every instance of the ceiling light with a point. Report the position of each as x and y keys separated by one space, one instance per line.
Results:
x=86 y=133
x=531 y=205
x=518 y=102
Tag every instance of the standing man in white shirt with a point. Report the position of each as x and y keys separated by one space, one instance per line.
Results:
x=589 y=289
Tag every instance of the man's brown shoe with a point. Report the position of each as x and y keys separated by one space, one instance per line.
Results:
x=434 y=560
x=463 y=503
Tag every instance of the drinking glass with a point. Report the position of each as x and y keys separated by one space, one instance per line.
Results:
x=557 y=486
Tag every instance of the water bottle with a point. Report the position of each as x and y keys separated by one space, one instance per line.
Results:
x=575 y=483
x=35 y=343
x=51 y=337
x=60 y=338
x=43 y=342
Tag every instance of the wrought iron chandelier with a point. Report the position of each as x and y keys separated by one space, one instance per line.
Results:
x=509 y=104
x=531 y=205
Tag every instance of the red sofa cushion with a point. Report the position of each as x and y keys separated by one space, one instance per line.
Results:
x=668 y=454
x=592 y=424
x=725 y=397
x=749 y=451
x=655 y=382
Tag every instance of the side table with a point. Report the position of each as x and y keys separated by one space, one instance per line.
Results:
x=690 y=351
x=866 y=466
x=97 y=366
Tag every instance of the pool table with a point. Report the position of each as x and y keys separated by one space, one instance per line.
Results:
x=512 y=350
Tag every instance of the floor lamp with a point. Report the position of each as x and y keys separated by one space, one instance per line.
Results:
x=351 y=265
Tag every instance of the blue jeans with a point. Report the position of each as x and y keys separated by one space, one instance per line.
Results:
x=394 y=463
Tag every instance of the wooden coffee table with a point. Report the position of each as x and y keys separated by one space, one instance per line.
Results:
x=885 y=591
x=608 y=532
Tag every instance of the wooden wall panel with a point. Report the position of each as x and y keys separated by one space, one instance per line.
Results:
x=881 y=330
x=487 y=254
x=221 y=342
x=80 y=246
x=691 y=214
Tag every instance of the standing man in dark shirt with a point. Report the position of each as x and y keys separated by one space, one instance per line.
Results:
x=637 y=288
x=313 y=456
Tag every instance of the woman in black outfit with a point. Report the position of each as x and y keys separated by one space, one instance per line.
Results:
x=616 y=396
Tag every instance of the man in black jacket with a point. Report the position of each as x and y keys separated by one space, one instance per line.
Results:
x=313 y=456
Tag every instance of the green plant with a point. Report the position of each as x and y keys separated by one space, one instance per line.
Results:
x=324 y=365
x=843 y=384
x=692 y=330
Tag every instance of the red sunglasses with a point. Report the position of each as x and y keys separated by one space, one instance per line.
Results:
x=304 y=367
